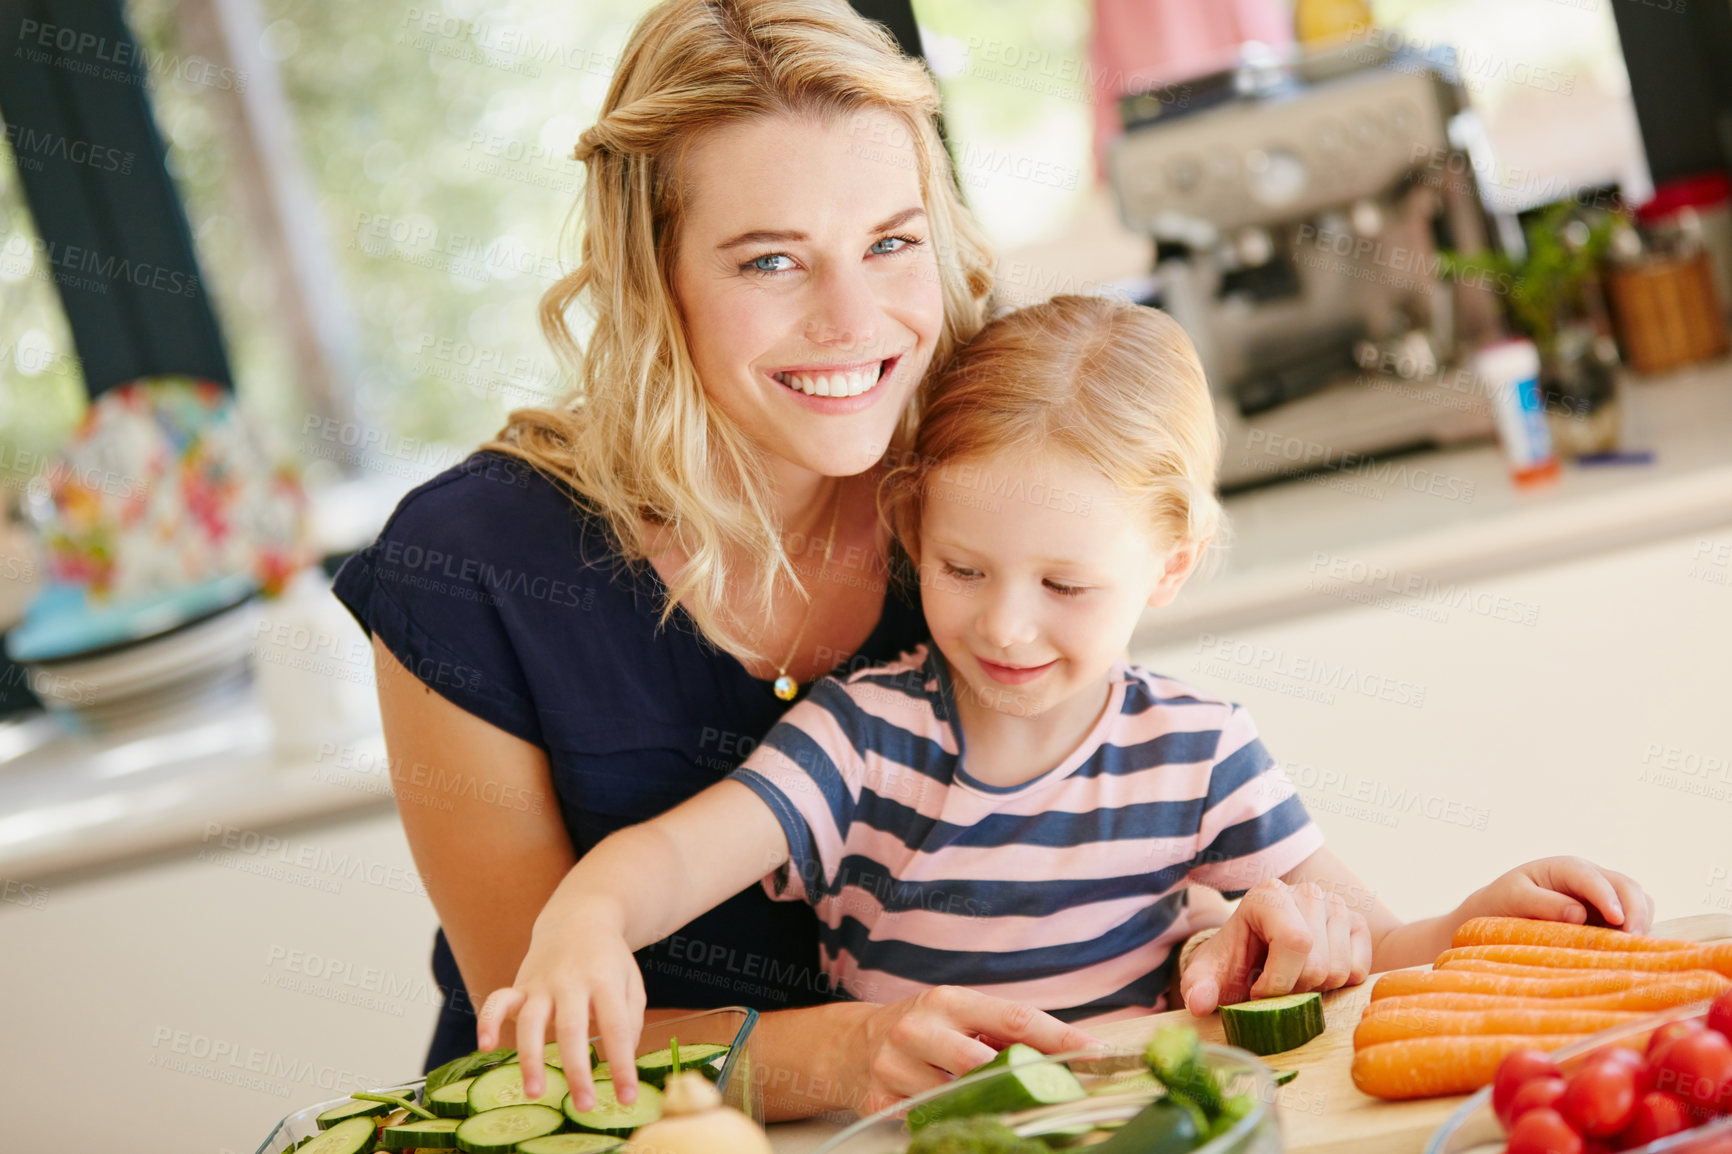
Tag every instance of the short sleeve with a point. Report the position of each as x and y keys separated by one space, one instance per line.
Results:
x=808 y=771
x=424 y=589
x=1254 y=827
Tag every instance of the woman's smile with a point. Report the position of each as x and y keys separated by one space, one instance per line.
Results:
x=836 y=388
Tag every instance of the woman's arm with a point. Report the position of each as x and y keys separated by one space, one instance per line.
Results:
x=489 y=866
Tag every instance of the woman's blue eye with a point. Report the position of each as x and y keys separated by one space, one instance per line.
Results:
x=767 y=263
x=879 y=249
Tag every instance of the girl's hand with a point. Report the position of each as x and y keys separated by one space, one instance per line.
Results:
x=900 y=1049
x=574 y=975
x=1565 y=889
x=1282 y=939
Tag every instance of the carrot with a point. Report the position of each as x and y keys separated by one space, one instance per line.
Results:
x=1512 y=970
x=1645 y=997
x=1716 y=957
x=1429 y=1021
x=1538 y=984
x=1427 y=1067
x=1529 y=932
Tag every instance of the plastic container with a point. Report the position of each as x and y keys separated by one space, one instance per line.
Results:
x=1474 y=1129
x=1239 y=1072
x=1509 y=371
x=731 y=1025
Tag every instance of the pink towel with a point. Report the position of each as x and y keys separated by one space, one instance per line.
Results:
x=1137 y=44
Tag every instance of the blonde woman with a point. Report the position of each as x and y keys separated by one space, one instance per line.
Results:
x=599 y=615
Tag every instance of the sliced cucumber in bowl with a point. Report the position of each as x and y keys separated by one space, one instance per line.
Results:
x=353 y=1108
x=420 y=1134
x=350 y=1136
x=499 y=1131
x=610 y=1116
x=503 y=1086
x=571 y=1144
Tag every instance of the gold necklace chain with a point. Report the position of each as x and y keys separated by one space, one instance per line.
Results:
x=786 y=687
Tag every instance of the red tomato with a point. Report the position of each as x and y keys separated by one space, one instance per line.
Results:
x=1720 y=1014
x=1600 y=1098
x=1543 y=1131
x=1534 y=1094
x=1516 y=1068
x=1657 y=1115
x=1697 y=1068
x=1620 y=1054
x=1670 y=1033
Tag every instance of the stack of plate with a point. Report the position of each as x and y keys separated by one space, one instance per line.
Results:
x=111 y=665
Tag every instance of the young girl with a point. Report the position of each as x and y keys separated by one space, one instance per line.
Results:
x=1013 y=807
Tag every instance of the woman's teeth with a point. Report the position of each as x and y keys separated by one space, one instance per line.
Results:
x=835 y=384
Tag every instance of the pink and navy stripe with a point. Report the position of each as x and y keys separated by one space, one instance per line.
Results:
x=1066 y=892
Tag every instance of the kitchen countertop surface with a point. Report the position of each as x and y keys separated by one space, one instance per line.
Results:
x=71 y=801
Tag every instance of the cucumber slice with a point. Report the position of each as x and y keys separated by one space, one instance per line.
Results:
x=1234 y=1108
x=1282 y=1077
x=571 y=1144
x=1273 y=1025
x=440 y=1132
x=1042 y=1083
x=1176 y=1057
x=655 y=1068
x=499 y=1131
x=610 y=1117
x=353 y=1108
x=503 y=1086
x=350 y=1136
x=451 y=1100
x=1162 y=1127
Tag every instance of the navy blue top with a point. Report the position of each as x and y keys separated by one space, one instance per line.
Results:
x=498 y=589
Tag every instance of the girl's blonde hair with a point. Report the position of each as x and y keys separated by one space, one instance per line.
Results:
x=637 y=439
x=1114 y=384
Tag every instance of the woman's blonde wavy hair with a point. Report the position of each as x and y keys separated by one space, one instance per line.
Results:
x=1112 y=384
x=637 y=439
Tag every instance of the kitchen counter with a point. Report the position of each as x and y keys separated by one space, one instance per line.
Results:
x=72 y=801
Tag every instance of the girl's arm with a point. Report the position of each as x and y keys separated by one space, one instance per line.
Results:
x=633 y=889
x=1319 y=927
x=490 y=868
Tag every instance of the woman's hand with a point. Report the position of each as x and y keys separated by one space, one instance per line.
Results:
x=905 y=1047
x=1564 y=889
x=573 y=975
x=1282 y=939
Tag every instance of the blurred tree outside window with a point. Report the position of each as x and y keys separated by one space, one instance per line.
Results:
x=41 y=383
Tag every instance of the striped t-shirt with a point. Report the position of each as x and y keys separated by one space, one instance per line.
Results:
x=1067 y=892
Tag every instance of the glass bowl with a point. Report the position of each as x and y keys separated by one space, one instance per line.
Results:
x=1474 y=1129
x=730 y=1026
x=1238 y=1072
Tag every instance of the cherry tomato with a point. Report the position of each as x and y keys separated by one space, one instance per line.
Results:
x=1543 y=1131
x=1720 y=1014
x=1620 y=1054
x=1697 y=1068
x=1657 y=1115
x=1600 y=1098
x=1516 y=1068
x=1534 y=1094
x=1670 y=1033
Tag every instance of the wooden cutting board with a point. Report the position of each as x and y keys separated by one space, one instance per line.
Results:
x=1322 y=1112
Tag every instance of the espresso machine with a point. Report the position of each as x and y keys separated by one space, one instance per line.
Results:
x=1298 y=207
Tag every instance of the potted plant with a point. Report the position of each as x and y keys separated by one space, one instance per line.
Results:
x=1551 y=295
